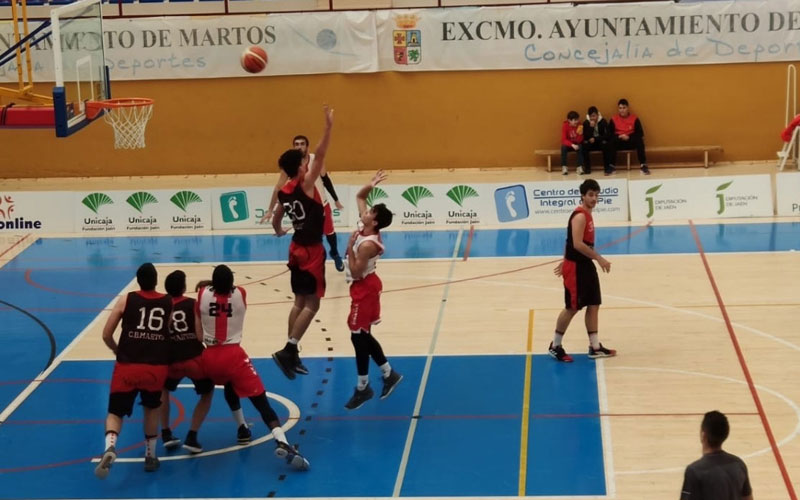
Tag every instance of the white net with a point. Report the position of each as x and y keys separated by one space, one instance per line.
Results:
x=129 y=121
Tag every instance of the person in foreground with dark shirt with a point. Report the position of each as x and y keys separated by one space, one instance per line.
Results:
x=718 y=475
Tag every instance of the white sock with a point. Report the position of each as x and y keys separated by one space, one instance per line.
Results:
x=386 y=369
x=111 y=439
x=557 y=338
x=239 y=416
x=293 y=341
x=363 y=380
x=279 y=435
x=594 y=341
x=150 y=446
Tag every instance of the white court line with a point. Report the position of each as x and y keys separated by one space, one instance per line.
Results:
x=762 y=451
x=401 y=473
x=605 y=426
x=57 y=361
x=294 y=417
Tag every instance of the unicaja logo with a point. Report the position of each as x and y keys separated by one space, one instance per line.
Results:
x=651 y=206
x=415 y=194
x=140 y=199
x=375 y=195
x=459 y=194
x=96 y=200
x=183 y=199
x=721 y=196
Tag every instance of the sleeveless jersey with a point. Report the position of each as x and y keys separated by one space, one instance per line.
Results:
x=183 y=339
x=371 y=263
x=145 y=331
x=588 y=236
x=318 y=183
x=222 y=316
x=306 y=213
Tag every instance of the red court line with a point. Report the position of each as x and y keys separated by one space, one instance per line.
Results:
x=469 y=241
x=15 y=244
x=30 y=281
x=27 y=468
x=473 y=278
x=740 y=355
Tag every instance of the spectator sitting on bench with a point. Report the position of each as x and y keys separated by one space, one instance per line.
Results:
x=626 y=133
x=595 y=138
x=571 y=140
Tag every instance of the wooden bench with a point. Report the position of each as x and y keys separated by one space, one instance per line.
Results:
x=549 y=153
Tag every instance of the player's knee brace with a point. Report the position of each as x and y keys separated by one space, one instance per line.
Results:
x=232 y=398
x=262 y=405
x=121 y=403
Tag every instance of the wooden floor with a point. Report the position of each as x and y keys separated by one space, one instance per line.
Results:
x=677 y=358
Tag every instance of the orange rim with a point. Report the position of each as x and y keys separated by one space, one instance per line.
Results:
x=93 y=107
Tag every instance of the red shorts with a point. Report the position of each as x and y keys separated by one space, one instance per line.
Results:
x=128 y=377
x=191 y=368
x=581 y=284
x=307 y=264
x=229 y=363
x=365 y=303
x=327 y=221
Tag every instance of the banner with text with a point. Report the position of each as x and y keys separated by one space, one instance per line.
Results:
x=36 y=212
x=211 y=47
x=701 y=197
x=526 y=203
x=587 y=36
x=141 y=211
x=787 y=187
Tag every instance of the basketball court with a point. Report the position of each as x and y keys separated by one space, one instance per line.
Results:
x=702 y=313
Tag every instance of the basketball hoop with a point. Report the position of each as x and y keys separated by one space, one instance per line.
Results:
x=127 y=115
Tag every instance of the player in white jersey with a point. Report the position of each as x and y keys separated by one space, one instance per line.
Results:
x=363 y=251
x=219 y=317
x=300 y=143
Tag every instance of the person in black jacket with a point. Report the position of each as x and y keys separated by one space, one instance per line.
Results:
x=595 y=138
x=625 y=133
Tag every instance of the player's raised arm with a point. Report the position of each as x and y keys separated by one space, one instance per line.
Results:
x=319 y=154
x=363 y=193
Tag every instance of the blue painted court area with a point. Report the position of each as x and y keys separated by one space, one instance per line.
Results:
x=467 y=440
x=53 y=289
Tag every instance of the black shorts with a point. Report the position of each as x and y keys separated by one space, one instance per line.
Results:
x=581 y=284
x=201 y=386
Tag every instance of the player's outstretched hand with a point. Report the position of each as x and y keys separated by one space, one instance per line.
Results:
x=379 y=177
x=267 y=218
x=604 y=265
x=339 y=205
x=328 y=115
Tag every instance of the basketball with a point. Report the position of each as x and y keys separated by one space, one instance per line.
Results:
x=254 y=59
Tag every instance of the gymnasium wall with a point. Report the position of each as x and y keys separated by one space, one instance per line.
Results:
x=413 y=120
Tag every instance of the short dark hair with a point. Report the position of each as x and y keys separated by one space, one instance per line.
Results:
x=573 y=115
x=589 y=185
x=592 y=109
x=623 y=102
x=383 y=216
x=290 y=162
x=222 y=279
x=175 y=283
x=715 y=425
x=147 y=276
x=299 y=137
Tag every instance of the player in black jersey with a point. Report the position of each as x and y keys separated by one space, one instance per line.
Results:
x=302 y=202
x=141 y=367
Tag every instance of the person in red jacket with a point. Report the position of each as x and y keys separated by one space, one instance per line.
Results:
x=572 y=140
x=626 y=133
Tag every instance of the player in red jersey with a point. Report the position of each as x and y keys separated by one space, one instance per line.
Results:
x=302 y=202
x=141 y=367
x=219 y=314
x=363 y=251
x=581 y=284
